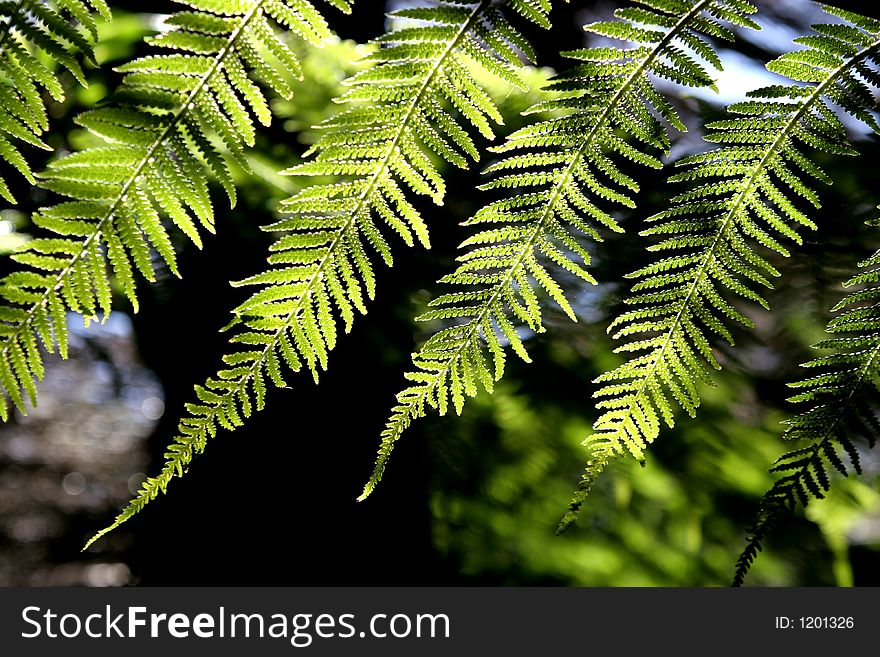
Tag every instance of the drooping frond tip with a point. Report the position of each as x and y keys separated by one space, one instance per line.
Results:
x=600 y=455
x=174 y=120
x=745 y=195
x=840 y=394
x=28 y=30
x=414 y=105
x=563 y=176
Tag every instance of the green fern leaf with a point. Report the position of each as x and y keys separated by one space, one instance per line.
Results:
x=31 y=29
x=564 y=175
x=841 y=402
x=379 y=148
x=159 y=132
x=745 y=194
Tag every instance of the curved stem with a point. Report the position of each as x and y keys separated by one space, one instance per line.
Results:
x=132 y=180
x=748 y=187
x=559 y=187
x=381 y=170
x=188 y=444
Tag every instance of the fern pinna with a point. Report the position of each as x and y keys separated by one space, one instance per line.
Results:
x=742 y=196
x=415 y=101
x=842 y=404
x=560 y=172
x=154 y=159
x=31 y=27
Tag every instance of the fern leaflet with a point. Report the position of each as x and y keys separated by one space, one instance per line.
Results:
x=742 y=195
x=59 y=30
x=842 y=404
x=156 y=154
x=569 y=166
x=380 y=146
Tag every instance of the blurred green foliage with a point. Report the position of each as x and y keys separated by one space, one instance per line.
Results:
x=504 y=474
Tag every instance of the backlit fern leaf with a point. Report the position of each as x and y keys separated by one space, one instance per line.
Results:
x=379 y=149
x=744 y=195
x=564 y=176
x=842 y=399
x=30 y=30
x=157 y=152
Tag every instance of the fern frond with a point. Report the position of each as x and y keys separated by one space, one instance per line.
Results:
x=33 y=32
x=842 y=404
x=564 y=175
x=416 y=101
x=158 y=133
x=744 y=195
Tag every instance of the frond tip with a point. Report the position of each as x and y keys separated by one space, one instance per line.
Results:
x=841 y=394
x=563 y=177
x=30 y=29
x=416 y=104
x=745 y=196
x=600 y=454
x=159 y=133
